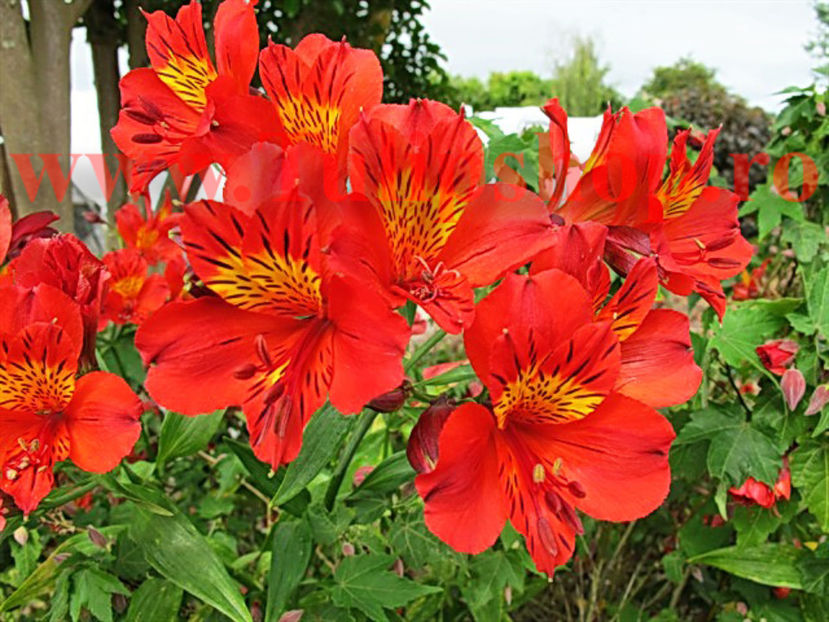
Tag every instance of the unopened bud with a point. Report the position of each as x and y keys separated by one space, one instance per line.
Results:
x=398 y=568
x=777 y=354
x=422 y=450
x=97 y=538
x=393 y=400
x=360 y=474
x=793 y=385
x=348 y=549
x=818 y=400
x=295 y=615
x=21 y=535
x=508 y=594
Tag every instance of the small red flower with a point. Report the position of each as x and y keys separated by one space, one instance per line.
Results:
x=777 y=354
x=283 y=331
x=749 y=286
x=558 y=436
x=132 y=294
x=752 y=492
x=46 y=413
x=149 y=234
x=64 y=262
x=183 y=110
x=430 y=233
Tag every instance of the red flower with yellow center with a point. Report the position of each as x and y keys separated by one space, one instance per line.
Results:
x=431 y=232
x=284 y=331
x=184 y=110
x=657 y=360
x=318 y=90
x=133 y=294
x=47 y=414
x=690 y=227
x=559 y=435
x=149 y=234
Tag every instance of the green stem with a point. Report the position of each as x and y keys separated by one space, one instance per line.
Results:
x=69 y=495
x=423 y=349
x=353 y=443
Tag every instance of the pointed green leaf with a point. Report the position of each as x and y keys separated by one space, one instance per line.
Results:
x=291 y=552
x=184 y=436
x=767 y=564
x=810 y=475
x=157 y=600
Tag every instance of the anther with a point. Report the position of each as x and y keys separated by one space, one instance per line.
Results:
x=538 y=473
x=262 y=350
x=245 y=372
x=547 y=537
x=577 y=490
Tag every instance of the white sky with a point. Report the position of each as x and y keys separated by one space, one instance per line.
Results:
x=755 y=45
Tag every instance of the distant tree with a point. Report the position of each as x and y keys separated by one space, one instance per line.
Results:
x=819 y=46
x=511 y=88
x=684 y=74
x=579 y=81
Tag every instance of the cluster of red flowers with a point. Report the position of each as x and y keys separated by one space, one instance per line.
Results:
x=339 y=210
x=52 y=407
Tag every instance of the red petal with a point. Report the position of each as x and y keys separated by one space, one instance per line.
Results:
x=619 y=454
x=237 y=41
x=658 y=365
x=464 y=503
x=502 y=228
x=27 y=440
x=103 y=421
x=195 y=347
x=369 y=342
x=522 y=305
x=20 y=307
x=553 y=181
x=5 y=227
x=633 y=301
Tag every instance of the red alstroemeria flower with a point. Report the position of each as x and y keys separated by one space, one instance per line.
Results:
x=47 y=414
x=132 y=293
x=752 y=492
x=431 y=232
x=283 y=331
x=149 y=234
x=64 y=262
x=776 y=355
x=184 y=110
x=657 y=359
x=15 y=235
x=558 y=435
x=691 y=228
x=319 y=89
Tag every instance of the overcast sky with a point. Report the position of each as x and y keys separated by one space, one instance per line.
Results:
x=755 y=45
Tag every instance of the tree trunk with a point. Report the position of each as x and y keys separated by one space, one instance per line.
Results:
x=136 y=29
x=102 y=34
x=35 y=98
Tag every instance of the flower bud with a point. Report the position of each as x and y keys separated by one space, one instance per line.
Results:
x=422 y=449
x=295 y=615
x=97 y=538
x=781 y=592
x=777 y=354
x=793 y=385
x=393 y=400
x=348 y=549
x=21 y=536
x=360 y=474
x=818 y=400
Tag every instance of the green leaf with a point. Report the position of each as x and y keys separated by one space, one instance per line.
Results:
x=754 y=524
x=387 y=477
x=817 y=299
x=770 y=208
x=805 y=238
x=183 y=436
x=737 y=449
x=321 y=438
x=748 y=325
x=809 y=464
x=178 y=552
x=157 y=600
x=291 y=552
x=767 y=564
x=93 y=590
x=365 y=583
x=411 y=540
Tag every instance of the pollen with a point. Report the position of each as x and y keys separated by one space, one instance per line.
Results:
x=539 y=475
x=11 y=474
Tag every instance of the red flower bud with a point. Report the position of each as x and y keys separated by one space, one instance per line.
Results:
x=793 y=385
x=781 y=592
x=776 y=355
x=295 y=615
x=818 y=400
x=393 y=400
x=360 y=475
x=422 y=450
